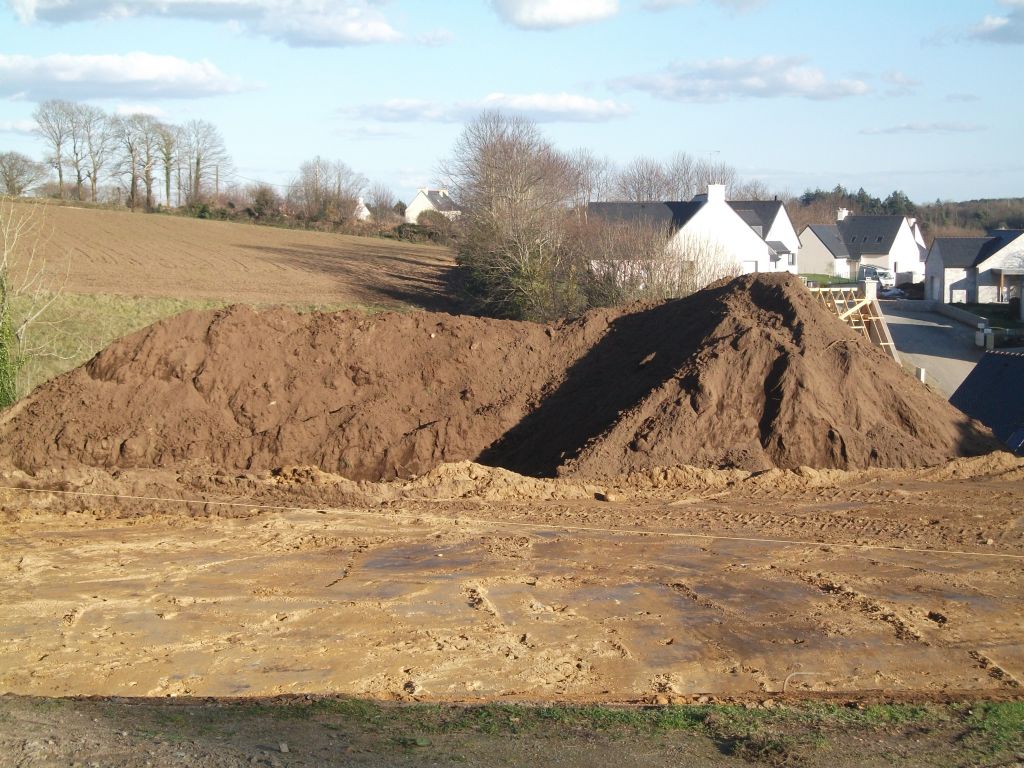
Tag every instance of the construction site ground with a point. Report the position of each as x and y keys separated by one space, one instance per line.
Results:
x=682 y=590
x=479 y=585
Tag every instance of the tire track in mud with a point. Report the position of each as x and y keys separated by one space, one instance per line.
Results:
x=993 y=670
x=866 y=605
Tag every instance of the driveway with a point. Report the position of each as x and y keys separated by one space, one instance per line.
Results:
x=943 y=347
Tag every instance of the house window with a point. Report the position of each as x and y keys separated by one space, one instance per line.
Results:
x=792 y=259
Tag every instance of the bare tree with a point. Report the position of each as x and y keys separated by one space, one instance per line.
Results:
x=642 y=180
x=594 y=176
x=206 y=158
x=54 y=125
x=515 y=189
x=381 y=201
x=98 y=137
x=681 y=177
x=167 y=149
x=19 y=174
x=149 y=136
x=716 y=172
x=129 y=139
x=326 y=189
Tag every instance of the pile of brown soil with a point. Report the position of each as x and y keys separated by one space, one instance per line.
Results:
x=750 y=373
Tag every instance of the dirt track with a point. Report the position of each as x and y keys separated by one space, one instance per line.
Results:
x=474 y=584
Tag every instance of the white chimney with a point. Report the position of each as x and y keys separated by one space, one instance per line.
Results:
x=716 y=193
x=842 y=213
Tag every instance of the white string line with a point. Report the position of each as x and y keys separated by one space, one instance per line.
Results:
x=517 y=524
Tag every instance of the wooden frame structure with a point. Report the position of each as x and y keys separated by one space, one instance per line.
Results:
x=859 y=311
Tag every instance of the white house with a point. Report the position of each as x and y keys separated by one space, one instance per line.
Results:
x=431 y=200
x=362 y=213
x=711 y=227
x=770 y=220
x=980 y=270
x=892 y=242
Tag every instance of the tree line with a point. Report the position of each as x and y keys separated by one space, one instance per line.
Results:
x=143 y=162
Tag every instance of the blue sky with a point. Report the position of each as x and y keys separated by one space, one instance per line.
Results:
x=915 y=94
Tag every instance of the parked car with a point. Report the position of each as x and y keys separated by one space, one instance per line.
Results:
x=885 y=278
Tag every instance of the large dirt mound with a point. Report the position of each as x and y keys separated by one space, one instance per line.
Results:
x=750 y=373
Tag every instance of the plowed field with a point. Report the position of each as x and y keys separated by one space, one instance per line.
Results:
x=116 y=252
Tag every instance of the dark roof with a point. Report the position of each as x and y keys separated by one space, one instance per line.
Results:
x=778 y=246
x=831 y=239
x=966 y=252
x=960 y=251
x=869 y=234
x=993 y=395
x=441 y=201
x=672 y=215
x=757 y=213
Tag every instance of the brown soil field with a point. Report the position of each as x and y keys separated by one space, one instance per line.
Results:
x=96 y=251
x=475 y=584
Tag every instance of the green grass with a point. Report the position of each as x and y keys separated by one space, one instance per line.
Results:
x=825 y=280
x=996 y=727
x=77 y=326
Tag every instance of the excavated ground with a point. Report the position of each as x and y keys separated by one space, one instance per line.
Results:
x=475 y=584
x=751 y=373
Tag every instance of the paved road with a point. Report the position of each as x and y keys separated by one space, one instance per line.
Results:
x=943 y=347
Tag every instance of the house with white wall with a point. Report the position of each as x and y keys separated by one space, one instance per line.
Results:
x=431 y=200
x=892 y=242
x=982 y=270
x=823 y=252
x=710 y=228
x=361 y=212
x=770 y=220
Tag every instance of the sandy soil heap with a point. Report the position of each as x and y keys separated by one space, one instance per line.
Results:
x=749 y=373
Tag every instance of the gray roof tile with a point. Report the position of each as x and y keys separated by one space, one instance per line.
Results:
x=672 y=215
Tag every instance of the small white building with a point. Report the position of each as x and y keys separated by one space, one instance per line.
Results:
x=735 y=235
x=892 y=242
x=431 y=200
x=770 y=220
x=362 y=213
x=982 y=270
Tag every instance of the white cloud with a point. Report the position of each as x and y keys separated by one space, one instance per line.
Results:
x=724 y=79
x=310 y=23
x=552 y=14
x=919 y=128
x=901 y=83
x=962 y=97
x=739 y=6
x=23 y=127
x=1007 y=28
x=541 y=107
x=556 y=107
x=132 y=75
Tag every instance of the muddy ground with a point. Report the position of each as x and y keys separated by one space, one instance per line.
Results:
x=474 y=584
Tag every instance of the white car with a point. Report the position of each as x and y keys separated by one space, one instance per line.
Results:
x=885 y=278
